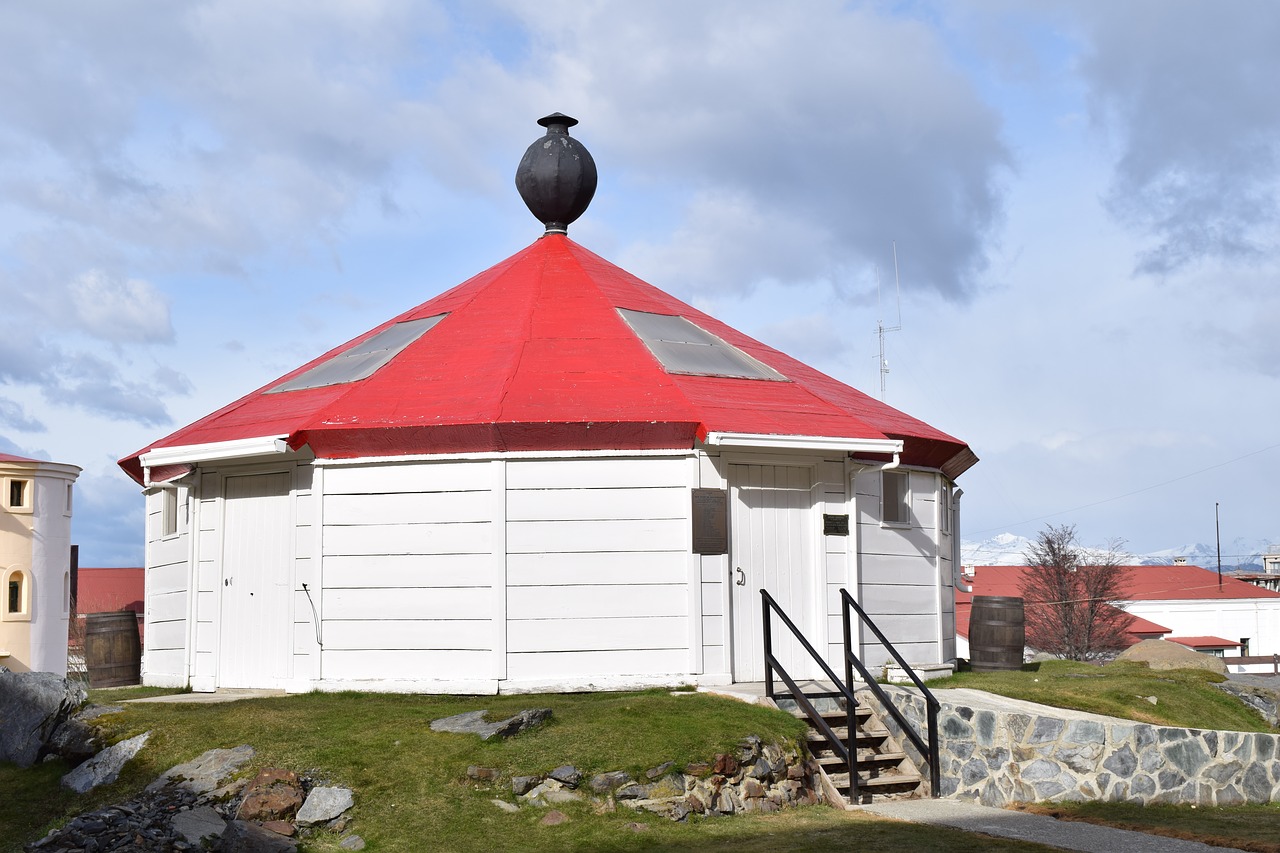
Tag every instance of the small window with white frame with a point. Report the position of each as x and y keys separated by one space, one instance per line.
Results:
x=895 y=498
x=70 y=495
x=18 y=494
x=944 y=505
x=168 y=512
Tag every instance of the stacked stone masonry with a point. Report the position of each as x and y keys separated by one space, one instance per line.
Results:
x=1002 y=752
x=756 y=777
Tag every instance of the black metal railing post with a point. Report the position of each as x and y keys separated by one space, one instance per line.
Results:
x=848 y=753
x=767 y=634
x=928 y=750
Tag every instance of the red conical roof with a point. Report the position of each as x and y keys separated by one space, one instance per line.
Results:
x=532 y=354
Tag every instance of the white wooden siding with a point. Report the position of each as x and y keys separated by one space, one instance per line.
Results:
x=375 y=540
x=409 y=568
x=902 y=572
x=598 y=568
x=355 y=666
x=598 y=668
x=395 y=571
x=204 y=667
x=574 y=569
x=166 y=598
x=712 y=571
x=537 y=573
x=307 y=586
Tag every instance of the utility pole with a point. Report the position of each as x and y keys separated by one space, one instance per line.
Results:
x=1217 y=532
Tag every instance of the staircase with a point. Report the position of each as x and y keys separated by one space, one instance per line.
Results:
x=857 y=756
x=883 y=769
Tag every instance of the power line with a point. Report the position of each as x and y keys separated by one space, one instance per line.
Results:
x=968 y=552
x=1126 y=494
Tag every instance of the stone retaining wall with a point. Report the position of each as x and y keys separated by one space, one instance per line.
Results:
x=756 y=777
x=999 y=751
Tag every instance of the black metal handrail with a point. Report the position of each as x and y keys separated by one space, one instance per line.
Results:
x=848 y=754
x=851 y=661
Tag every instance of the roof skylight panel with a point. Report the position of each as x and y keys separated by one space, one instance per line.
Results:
x=682 y=347
x=363 y=359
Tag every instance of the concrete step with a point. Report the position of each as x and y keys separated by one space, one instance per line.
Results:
x=842 y=732
x=883 y=783
x=829 y=760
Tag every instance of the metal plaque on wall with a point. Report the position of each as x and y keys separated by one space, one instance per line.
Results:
x=710 y=521
x=835 y=525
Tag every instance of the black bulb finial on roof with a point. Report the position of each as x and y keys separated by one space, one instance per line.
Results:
x=556 y=177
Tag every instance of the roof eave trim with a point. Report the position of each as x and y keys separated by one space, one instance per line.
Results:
x=268 y=445
x=803 y=442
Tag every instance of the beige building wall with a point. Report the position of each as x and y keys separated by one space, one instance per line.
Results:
x=36 y=503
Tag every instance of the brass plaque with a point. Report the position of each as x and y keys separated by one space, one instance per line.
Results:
x=835 y=525
x=710 y=521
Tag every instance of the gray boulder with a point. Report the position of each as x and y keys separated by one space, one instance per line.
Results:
x=104 y=768
x=75 y=740
x=473 y=722
x=243 y=837
x=1162 y=654
x=1263 y=700
x=33 y=705
x=205 y=773
x=324 y=804
x=195 y=825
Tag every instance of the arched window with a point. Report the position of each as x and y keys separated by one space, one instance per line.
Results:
x=17 y=596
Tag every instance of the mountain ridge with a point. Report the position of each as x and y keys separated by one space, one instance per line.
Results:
x=1007 y=549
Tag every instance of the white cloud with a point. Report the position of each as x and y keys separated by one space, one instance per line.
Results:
x=1188 y=89
x=121 y=310
x=13 y=416
x=844 y=125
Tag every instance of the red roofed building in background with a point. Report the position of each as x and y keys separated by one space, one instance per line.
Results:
x=1187 y=602
x=554 y=475
x=107 y=590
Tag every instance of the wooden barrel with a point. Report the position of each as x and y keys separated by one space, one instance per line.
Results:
x=112 y=649
x=997 y=633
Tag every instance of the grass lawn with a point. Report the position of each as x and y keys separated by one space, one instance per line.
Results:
x=412 y=792
x=1184 y=697
x=1255 y=828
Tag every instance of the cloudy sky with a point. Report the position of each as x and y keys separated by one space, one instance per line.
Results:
x=198 y=197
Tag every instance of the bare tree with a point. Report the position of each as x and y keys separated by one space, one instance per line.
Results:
x=1072 y=596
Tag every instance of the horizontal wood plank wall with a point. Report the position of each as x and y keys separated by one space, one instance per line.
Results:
x=167 y=598
x=946 y=577
x=407 y=551
x=208 y=575
x=898 y=570
x=717 y=665
x=597 y=570
x=833 y=498
x=305 y=666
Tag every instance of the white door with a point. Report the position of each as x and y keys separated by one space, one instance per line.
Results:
x=771 y=549
x=256 y=616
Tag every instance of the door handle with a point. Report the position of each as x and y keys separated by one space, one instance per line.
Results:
x=742 y=577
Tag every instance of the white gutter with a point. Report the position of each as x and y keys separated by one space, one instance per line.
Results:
x=805 y=442
x=241 y=448
x=957 y=570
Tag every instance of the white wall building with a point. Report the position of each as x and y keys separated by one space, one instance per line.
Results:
x=553 y=476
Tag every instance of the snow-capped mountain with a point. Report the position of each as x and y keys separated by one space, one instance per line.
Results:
x=1007 y=549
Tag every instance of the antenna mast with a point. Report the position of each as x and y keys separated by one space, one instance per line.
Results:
x=881 y=328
